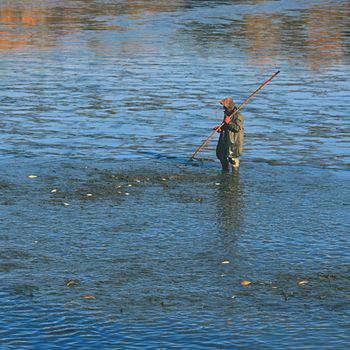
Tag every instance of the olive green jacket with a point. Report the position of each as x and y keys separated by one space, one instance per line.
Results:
x=230 y=144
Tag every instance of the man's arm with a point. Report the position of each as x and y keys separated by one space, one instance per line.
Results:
x=235 y=124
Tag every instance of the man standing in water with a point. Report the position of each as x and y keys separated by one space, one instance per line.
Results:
x=230 y=144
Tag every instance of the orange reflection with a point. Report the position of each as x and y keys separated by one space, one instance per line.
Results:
x=15 y=22
x=263 y=37
x=138 y=8
x=317 y=35
x=325 y=41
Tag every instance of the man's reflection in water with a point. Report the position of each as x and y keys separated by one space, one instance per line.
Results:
x=230 y=206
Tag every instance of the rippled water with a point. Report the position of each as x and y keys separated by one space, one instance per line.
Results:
x=104 y=102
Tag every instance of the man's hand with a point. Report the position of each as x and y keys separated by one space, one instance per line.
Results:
x=227 y=120
x=217 y=128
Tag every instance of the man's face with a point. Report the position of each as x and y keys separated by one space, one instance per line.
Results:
x=224 y=103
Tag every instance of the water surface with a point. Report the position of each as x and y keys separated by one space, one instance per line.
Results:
x=104 y=102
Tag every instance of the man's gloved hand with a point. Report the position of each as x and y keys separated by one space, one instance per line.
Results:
x=217 y=128
x=227 y=120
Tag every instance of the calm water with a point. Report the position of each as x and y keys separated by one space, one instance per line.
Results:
x=118 y=241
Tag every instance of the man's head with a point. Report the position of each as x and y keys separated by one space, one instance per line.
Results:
x=227 y=104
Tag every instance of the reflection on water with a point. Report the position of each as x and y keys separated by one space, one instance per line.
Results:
x=317 y=32
x=230 y=211
x=41 y=23
x=230 y=205
x=326 y=40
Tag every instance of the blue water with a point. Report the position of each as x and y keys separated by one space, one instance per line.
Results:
x=110 y=238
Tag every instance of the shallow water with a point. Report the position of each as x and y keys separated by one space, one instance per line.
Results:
x=104 y=102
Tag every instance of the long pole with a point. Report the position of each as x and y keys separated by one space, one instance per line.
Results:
x=236 y=111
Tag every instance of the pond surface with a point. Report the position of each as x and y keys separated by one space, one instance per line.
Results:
x=110 y=238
